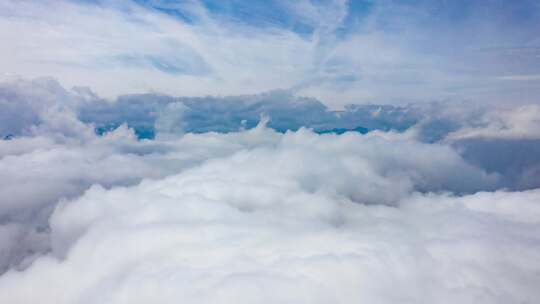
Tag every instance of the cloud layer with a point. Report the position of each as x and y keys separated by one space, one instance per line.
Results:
x=307 y=218
x=431 y=206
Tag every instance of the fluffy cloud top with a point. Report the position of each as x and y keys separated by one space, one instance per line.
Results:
x=517 y=123
x=308 y=218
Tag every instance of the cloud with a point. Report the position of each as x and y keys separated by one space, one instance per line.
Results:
x=232 y=113
x=338 y=51
x=38 y=171
x=269 y=151
x=255 y=206
x=238 y=228
x=151 y=115
x=30 y=103
x=503 y=140
x=515 y=123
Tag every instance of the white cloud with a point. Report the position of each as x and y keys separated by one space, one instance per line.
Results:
x=277 y=224
x=257 y=215
x=116 y=44
x=428 y=212
x=521 y=122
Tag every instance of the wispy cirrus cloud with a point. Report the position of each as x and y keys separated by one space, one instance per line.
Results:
x=339 y=51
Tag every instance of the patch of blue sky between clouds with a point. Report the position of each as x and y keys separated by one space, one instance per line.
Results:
x=256 y=13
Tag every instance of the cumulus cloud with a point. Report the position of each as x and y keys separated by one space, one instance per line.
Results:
x=260 y=198
x=504 y=140
x=37 y=172
x=151 y=113
x=53 y=155
x=287 y=223
x=475 y=130
x=29 y=103
x=516 y=123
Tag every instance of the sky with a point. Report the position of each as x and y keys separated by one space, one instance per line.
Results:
x=310 y=151
x=341 y=52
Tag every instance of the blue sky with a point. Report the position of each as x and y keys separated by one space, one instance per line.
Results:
x=378 y=51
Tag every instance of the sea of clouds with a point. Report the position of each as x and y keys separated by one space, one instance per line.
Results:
x=269 y=198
